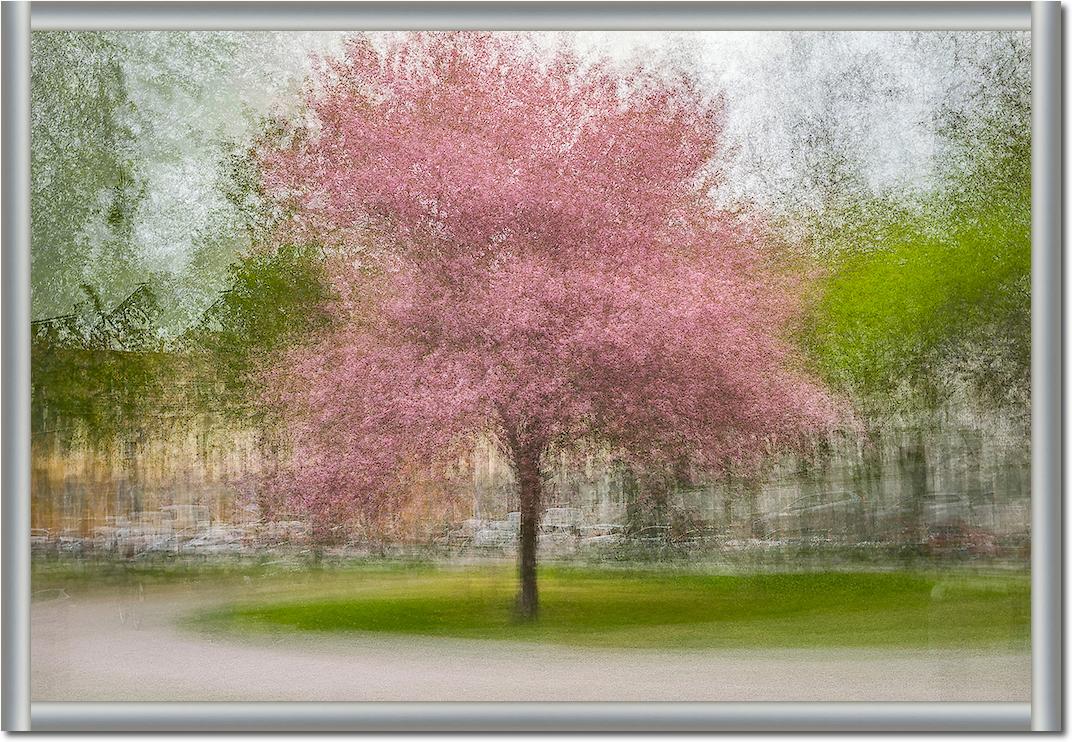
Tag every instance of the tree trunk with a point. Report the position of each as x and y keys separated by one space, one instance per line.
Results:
x=914 y=478
x=528 y=474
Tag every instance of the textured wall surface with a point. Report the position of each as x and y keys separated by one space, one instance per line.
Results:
x=159 y=493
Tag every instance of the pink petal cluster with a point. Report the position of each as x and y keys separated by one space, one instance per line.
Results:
x=522 y=250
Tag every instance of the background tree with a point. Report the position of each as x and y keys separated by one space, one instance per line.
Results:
x=520 y=251
x=925 y=308
x=140 y=160
x=98 y=372
x=930 y=296
x=84 y=191
x=273 y=300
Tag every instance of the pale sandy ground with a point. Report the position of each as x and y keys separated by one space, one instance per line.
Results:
x=130 y=648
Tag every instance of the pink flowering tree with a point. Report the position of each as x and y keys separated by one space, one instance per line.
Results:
x=521 y=251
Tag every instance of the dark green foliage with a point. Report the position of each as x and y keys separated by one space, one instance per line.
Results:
x=112 y=373
x=275 y=300
x=100 y=372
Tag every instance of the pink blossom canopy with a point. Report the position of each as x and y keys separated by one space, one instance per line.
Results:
x=522 y=249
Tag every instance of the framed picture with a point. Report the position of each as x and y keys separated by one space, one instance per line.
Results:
x=532 y=366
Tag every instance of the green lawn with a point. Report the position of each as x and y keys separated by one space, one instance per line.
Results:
x=615 y=608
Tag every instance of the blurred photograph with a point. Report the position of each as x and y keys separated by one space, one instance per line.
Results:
x=531 y=366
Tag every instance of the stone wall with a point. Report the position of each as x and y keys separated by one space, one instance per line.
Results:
x=968 y=469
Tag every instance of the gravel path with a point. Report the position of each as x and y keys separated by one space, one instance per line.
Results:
x=130 y=648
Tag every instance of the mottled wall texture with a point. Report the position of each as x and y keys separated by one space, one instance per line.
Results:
x=899 y=485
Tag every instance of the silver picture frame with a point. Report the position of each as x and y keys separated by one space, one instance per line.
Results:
x=1044 y=713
